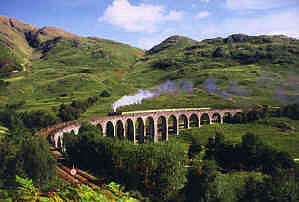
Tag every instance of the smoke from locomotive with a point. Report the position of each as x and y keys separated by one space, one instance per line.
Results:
x=166 y=87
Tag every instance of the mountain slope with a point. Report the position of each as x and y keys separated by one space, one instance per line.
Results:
x=236 y=71
x=239 y=70
x=59 y=64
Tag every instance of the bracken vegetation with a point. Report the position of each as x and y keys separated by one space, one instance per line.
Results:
x=59 y=67
x=48 y=76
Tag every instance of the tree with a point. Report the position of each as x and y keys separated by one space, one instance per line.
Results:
x=251 y=149
x=201 y=182
x=253 y=115
x=253 y=190
x=37 y=163
x=280 y=188
x=38 y=119
x=8 y=160
x=68 y=113
x=105 y=94
x=194 y=149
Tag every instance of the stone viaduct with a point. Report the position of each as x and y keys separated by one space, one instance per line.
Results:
x=150 y=126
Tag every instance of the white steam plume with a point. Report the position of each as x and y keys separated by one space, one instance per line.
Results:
x=167 y=87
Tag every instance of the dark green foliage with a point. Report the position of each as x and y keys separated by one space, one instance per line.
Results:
x=253 y=190
x=88 y=128
x=251 y=154
x=11 y=120
x=194 y=150
x=105 y=94
x=9 y=60
x=73 y=111
x=68 y=113
x=279 y=188
x=7 y=164
x=238 y=118
x=3 y=83
x=32 y=39
x=195 y=147
x=35 y=161
x=219 y=52
x=157 y=170
x=27 y=155
x=206 y=183
x=38 y=119
x=253 y=115
x=166 y=64
x=206 y=187
x=15 y=106
x=262 y=112
x=224 y=153
x=291 y=111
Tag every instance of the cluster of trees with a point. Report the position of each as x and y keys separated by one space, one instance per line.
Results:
x=3 y=83
x=28 y=173
x=290 y=111
x=72 y=111
x=36 y=120
x=218 y=171
x=249 y=171
x=250 y=155
x=257 y=113
x=156 y=170
x=30 y=121
x=9 y=61
x=26 y=155
x=207 y=184
x=28 y=169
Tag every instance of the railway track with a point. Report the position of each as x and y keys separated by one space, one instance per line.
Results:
x=81 y=177
x=64 y=172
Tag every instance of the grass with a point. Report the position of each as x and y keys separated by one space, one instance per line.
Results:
x=287 y=141
x=78 y=68
x=3 y=131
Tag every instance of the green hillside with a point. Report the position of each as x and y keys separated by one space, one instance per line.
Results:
x=54 y=67
x=246 y=70
x=3 y=130
x=62 y=66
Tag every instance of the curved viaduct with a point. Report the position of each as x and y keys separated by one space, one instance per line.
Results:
x=149 y=126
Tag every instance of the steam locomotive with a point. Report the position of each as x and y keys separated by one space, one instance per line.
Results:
x=118 y=113
x=115 y=113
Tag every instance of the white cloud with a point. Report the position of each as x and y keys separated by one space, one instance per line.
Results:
x=143 y=17
x=203 y=14
x=257 y=4
x=205 y=1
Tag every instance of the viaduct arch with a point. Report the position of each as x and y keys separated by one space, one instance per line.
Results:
x=149 y=126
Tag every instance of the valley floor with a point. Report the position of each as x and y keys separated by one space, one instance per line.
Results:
x=283 y=140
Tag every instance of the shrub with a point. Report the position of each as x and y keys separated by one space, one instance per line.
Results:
x=251 y=154
x=35 y=161
x=105 y=94
x=157 y=170
x=38 y=119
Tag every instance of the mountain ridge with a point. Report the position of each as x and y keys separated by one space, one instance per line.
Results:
x=61 y=66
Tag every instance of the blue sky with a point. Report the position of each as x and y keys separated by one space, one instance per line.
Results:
x=144 y=23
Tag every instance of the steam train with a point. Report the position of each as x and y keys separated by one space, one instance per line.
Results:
x=118 y=113
x=115 y=113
